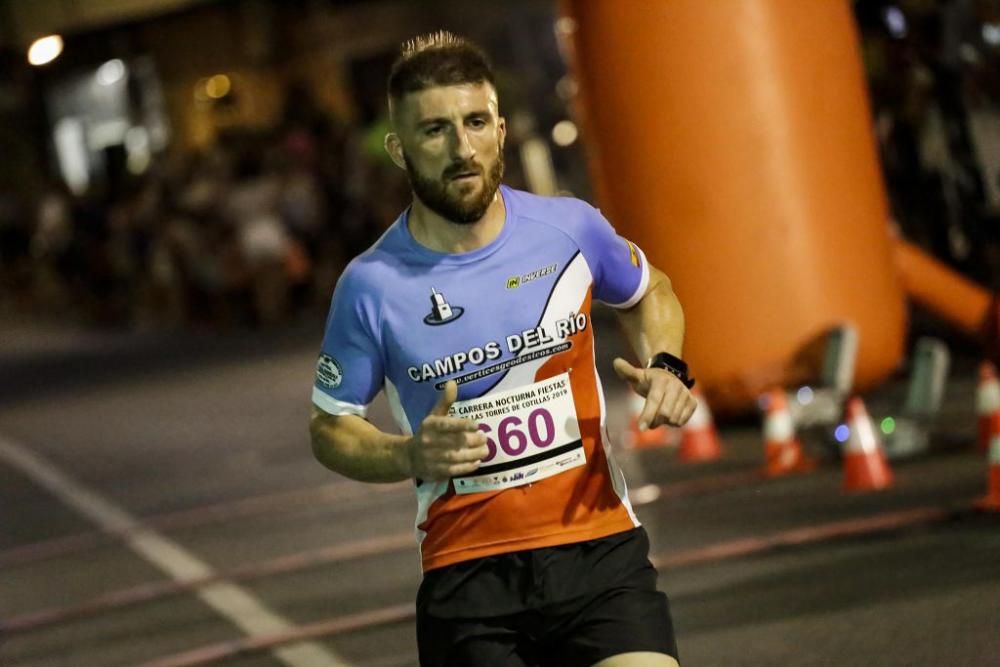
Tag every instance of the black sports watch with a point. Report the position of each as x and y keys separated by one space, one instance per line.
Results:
x=669 y=362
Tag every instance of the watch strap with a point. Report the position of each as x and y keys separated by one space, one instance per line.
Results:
x=668 y=362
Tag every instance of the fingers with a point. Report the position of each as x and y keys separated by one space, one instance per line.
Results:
x=688 y=410
x=462 y=469
x=651 y=410
x=437 y=424
x=445 y=462
x=454 y=437
x=673 y=409
x=667 y=402
x=681 y=410
x=448 y=396
x=448 y=446
x=469 y=454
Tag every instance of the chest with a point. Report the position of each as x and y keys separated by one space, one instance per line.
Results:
x=468 y=321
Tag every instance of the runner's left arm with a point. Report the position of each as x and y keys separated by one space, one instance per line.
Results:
x=656 y=324
x=650 y=314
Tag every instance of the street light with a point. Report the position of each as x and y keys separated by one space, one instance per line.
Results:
x=45 y=50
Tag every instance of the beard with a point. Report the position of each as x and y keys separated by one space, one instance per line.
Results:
x=457 y=208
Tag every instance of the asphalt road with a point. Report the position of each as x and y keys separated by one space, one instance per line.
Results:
x=158 y=498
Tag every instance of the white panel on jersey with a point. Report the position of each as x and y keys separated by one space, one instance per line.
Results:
x=617 y=476
x=396 y=406
x=332 y=406
x=567 y=297
x=640 y=291
x=427 y=493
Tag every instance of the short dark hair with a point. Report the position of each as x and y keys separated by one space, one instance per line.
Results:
x=437 y=59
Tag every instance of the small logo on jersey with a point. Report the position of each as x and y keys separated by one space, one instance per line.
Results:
x=328 y=372
x=633 y=254
x=442 y=312
x=516 y=281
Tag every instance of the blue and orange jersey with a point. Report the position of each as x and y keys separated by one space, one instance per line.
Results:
x=511 y=323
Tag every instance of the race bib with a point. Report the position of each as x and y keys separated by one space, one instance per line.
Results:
x=532 y=433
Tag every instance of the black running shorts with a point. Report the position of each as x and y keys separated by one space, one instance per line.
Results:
x=571 y=605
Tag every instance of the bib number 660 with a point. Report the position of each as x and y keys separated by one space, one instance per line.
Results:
x=511 y=437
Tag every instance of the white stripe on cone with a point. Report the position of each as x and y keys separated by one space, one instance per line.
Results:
x=862 y=439
x=778 y=426
x=701 y=417
x=636 y=403
x=988 y=394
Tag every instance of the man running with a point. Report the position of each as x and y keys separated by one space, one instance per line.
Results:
x=472 y=312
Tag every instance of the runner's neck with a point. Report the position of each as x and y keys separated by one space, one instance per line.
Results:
x=442 y=235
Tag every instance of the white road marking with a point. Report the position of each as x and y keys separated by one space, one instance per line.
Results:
x=233 y=602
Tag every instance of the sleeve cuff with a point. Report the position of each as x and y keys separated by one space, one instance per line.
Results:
x=640 y=291
x=332 y=406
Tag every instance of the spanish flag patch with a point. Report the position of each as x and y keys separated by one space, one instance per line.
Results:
x=633 y=254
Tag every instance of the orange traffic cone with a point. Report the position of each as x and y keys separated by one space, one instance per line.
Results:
x=782 y=449
x=651 y=438
x=991 y=501
x=865 y=466
x=699 y=439
x=987 y=401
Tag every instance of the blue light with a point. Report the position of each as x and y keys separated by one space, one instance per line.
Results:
x=842 y=433
x=805 y=395
x=895 y=21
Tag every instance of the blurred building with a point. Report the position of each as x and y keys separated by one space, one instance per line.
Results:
x=144 y=144
x=139 y=76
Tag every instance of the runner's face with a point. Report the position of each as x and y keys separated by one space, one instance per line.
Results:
x=452 y=146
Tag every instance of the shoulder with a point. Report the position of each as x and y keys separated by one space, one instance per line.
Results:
x=552 y=209
x=373 y=269
x=571 y=216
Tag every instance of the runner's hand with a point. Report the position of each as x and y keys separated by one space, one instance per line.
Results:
x=444 y=446
x=668 y=401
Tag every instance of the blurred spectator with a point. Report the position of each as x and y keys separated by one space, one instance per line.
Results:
x=15 y=239
x=936 y=117
x=254 y=229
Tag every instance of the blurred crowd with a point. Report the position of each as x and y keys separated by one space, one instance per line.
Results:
x=934 y=79
x=254 y=229
x=249 y=232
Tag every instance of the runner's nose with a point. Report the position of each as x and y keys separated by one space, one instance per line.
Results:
x=462 y=146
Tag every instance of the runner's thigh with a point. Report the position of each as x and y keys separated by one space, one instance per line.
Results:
x=631 y=617
x=471 y=643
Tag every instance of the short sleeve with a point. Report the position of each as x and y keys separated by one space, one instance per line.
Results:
x=349 y=370
x=621 y=273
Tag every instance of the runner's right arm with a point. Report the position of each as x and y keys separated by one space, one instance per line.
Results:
x=441 y=448
x=350 y=373
x=352 y=446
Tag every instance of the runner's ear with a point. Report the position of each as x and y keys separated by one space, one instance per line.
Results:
x=394 y=147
